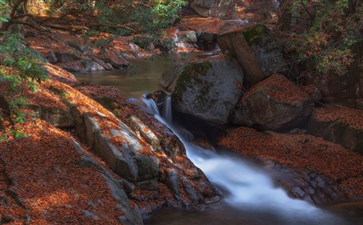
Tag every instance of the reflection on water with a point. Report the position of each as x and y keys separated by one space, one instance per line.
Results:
x=141 y=77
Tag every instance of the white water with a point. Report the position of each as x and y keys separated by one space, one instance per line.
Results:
x=151 y=106
x=167 y=110
x=249 y=187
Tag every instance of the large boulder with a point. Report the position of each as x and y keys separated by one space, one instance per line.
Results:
x=256 y=49
x=205 y=89
x=339 y=124
x=213 y=8
x=274 y=103
x=140 y=149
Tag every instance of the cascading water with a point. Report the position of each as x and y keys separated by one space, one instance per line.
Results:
x=151 y=106
x=249 y=187
x=167 y=109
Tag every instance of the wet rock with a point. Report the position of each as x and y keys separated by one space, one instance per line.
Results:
x=206 y=89
x=274 y=103
x=339 y=124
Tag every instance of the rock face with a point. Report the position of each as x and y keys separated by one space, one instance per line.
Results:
x=340 y=125
x=234 y=45
x=208 y=90
x=213 y=8
x=256 y=49
x=274 y=103
x=141 y=150
x=268 y=49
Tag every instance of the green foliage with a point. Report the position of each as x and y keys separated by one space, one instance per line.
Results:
x=4 y=11
x=21 y=69
x=16 y=55
x=335 y=27
x=124 y=17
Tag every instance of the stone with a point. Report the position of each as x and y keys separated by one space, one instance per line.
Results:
x=93 y=66
x=339 y=124
x=206 y=40
x=234 y=45
x=213 y=8
x=67 y=57
x=51 y=57
x=57 y=117
x=148 y=167
x=189 y=36
x=268 y=49
x=257 y=49
x=273 y=104
x=208 y=90
x=114 y=59
x=79 y=47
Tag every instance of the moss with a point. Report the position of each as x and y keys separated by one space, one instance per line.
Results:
x=254 y=35
x=193 y=73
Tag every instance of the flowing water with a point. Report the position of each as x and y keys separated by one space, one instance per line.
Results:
x=250 y=197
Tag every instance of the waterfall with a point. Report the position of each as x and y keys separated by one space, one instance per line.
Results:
x=151 y=106
x=167 y=109
x=246 y=185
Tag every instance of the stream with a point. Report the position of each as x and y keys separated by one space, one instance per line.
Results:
x=250 y=197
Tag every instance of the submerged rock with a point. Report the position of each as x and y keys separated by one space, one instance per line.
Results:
x=274 y=103
x=339 y=124
x=205 y=89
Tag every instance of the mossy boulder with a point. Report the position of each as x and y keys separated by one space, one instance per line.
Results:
x=205 y=89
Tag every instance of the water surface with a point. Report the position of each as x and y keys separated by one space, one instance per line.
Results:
x=142 y=76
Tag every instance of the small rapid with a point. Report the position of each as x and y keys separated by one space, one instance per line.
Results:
x=248 y=187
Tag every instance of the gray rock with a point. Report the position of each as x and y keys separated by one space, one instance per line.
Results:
x=93 y=66
x=205 y=89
